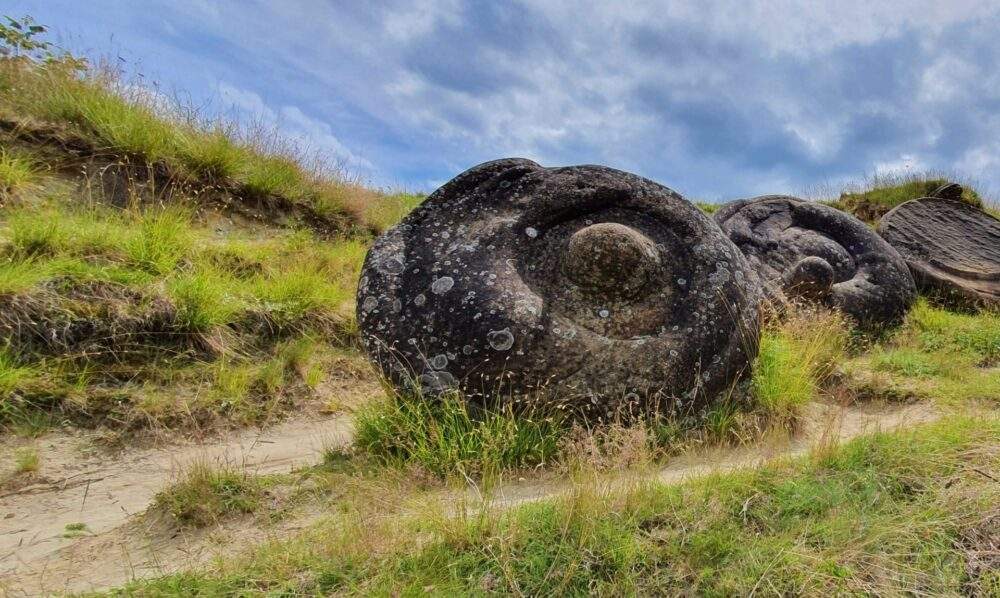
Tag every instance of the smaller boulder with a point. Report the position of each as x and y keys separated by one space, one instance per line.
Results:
x=806 y=250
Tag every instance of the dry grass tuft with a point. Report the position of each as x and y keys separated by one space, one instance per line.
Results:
x=205 y=493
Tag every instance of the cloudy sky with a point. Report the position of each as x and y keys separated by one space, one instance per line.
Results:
x=714 y=99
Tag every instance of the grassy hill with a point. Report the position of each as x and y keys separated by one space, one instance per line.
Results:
x=165 y=276
x=156 y=270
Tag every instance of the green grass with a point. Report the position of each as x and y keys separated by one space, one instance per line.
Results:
x=794 y=360
x=882 y=515
x=205 y=494
x=16 y=172
x=446 y=437
x=204 y=299
x=390 y=209
x=75 y=530
x=160 y=240
x=142 y=128
x=937 y=355
x=708 y=208
x=907 y=362
x=214 y=315
x=883 y=192
x=975 y=336
x=13 y=373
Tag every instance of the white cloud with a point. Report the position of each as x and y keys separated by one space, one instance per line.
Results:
x=718 y=97
x=905 y=163
x=947 y=79
x=420 y=17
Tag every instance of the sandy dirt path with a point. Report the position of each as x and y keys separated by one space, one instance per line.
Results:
x=824 y=425
x=108 y=494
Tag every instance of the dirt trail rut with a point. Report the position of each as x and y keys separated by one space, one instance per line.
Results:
x=106 y=494
x=823 y=424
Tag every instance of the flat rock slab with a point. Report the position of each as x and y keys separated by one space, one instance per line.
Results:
x=809 y=250
x=951 y=247
x=584 y=283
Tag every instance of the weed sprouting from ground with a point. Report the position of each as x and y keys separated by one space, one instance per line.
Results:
x=16 y=172
x=206 y=493
x=26 y=460
x=708 y=208
x=794 y=360
x=446 y=436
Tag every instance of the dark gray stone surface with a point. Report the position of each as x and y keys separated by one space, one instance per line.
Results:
x=952 y=248
x=951 y=191
x=809 y=250
x=586 y=284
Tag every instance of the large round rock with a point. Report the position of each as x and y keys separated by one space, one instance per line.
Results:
x=809 y=250
x=951 y=247
x=585 y=284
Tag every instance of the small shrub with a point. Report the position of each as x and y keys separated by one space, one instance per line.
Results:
x=205 y=494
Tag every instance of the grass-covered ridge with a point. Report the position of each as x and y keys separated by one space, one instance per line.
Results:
x=157 y=267
x=87 y=115
x=143 y=315
x=206 y=493
x=883 y=192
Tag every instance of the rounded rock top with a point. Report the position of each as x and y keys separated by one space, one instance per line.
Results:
x=808 y=250
x=559 y=282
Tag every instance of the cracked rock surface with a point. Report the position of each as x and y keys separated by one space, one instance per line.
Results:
x=951 y=247
x=584 y=284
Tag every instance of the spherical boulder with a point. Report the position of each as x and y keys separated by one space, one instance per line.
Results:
x=584 y=285
x=951 y=247
x=811 y=251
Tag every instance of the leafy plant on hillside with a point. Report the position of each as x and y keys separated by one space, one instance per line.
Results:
x=21 y=38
